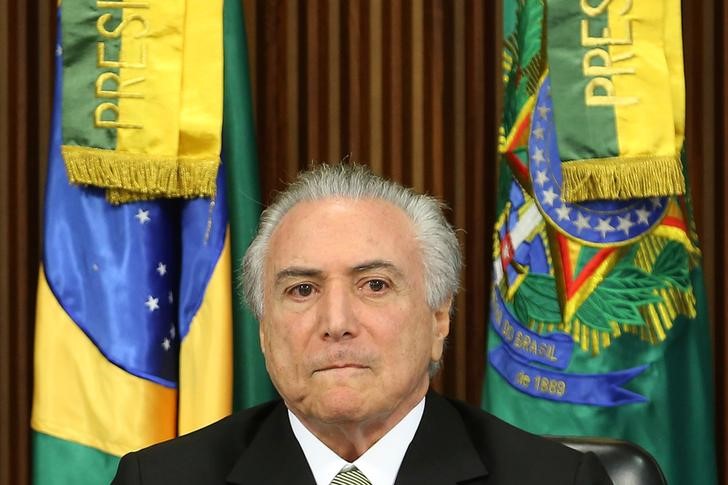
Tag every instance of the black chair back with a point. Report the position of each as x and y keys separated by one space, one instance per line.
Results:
x=625 y=462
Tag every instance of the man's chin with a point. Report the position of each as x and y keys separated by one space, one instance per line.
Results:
x=341 y=405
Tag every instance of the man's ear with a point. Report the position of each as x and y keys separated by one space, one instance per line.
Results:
x=261 y=336
x=441 y=328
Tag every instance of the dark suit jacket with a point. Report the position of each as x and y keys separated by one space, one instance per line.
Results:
x=454 y=444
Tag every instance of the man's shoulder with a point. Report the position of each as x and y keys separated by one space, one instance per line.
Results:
x=512 y=455
x=206 y=452
x=493 y=434
x=233 y=432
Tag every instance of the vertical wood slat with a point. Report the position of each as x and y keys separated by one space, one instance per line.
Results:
x=417 y=96
x=375 y=81
x=6 y=377
x=721 y=320
x=293 y=104
x=26 y=50
x=316 y=58
x=333 y=94
x=393 y=91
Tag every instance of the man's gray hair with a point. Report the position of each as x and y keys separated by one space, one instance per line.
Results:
x=440 y=249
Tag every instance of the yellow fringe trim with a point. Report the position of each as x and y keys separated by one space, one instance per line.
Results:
x=659 y=319
x=139 y=176
x=622 y=178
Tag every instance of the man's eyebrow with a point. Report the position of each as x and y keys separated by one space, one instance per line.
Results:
x=377 y=264
x=296 y=272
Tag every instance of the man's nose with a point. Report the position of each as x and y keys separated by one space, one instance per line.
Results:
x=336 y=315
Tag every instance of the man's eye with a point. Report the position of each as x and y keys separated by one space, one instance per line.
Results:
x=302 y=290
x=377 y=285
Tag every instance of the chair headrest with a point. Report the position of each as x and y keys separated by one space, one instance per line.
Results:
x=625 y=462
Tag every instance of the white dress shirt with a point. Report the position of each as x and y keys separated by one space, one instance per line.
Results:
x=380 y=463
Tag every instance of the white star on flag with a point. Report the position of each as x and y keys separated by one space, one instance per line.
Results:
x=563 y=212
x=642 y=216
x=625 y=224
x=604 y=227
x=143 y=216
x=656 y=202
x=59 y=50
x=549 y=196
x=166 y=343
x=541 y=177
x=172 y=331
x=582 y=222
x=152 y=303
x=538 y=133
x=538 y=156
x=170 y=297
x=162 y=269
x=543 y=111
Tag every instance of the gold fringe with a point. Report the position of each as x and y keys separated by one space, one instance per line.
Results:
x=622 y=178
x=606 y=340
x=137 y=177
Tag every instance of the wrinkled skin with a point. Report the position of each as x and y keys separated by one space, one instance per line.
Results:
x=346 y=330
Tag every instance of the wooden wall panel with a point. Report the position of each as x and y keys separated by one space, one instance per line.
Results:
x=400 y=86
x=706 y=68
x=26 y=48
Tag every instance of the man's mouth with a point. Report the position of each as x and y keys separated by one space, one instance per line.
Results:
x=341 y=366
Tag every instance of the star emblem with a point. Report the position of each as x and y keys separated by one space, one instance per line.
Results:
x=142 y=216
x=625 y=224
x=162 y=269
x=563 y=212
x=656 y=202
x=604 y=227
x=59 y=50
x=549 y=196
x=152 y=303
x=506 y=250
x=642 y=216
x=543 y=111
x=538 y=133
x=541 y=177
x=166 y=344
x=582 y=222
x=170 y=297
x=538 y=156
x=172 y=331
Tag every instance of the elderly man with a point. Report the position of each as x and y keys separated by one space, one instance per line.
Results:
x=352 y=278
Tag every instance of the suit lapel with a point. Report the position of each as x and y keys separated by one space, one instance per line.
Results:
x=441 y=451
x=273 y=456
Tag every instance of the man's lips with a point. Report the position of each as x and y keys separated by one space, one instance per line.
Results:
x=338 y=366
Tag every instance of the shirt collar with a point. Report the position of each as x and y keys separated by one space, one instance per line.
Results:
x=380 y=463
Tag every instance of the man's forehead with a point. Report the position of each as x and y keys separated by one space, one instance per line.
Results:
x=350 y=233
x=358 y=211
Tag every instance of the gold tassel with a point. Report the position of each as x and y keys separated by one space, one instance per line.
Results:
x=132 y=177
x=622 y=178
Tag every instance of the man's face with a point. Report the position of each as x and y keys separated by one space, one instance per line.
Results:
x=346 y=330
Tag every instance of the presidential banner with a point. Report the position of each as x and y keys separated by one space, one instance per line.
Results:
x=142 y=96
x=134 y=321
x=598 y=321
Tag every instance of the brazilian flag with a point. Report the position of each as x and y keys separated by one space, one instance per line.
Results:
x=138 y=339
x=598 y=321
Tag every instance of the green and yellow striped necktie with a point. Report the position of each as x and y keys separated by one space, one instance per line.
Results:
x=350 y=476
